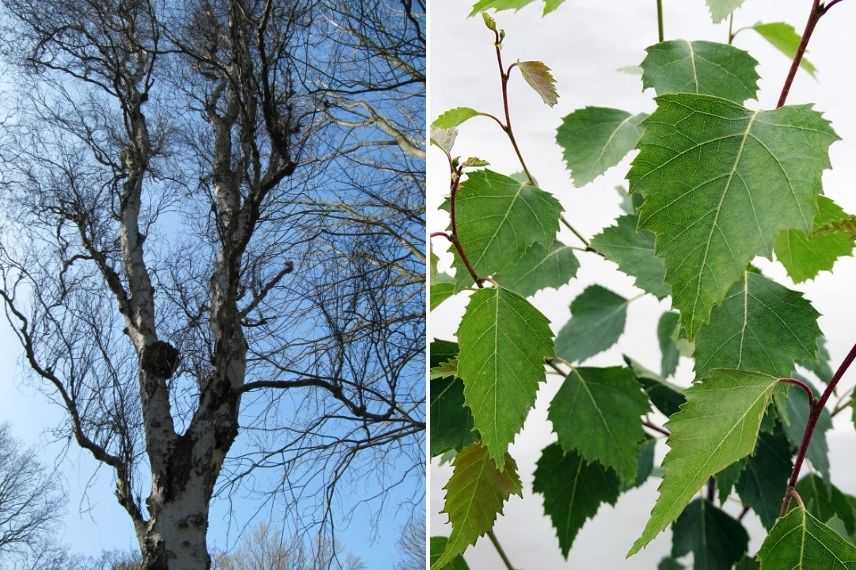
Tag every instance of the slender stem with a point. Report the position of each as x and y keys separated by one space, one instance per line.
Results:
x=504 y=76
x=841 y=407
x=816 y=410
x=731 y=28
x=455 y=185
x=711 y=489
x=442 y=235
x=817 y=10
x=805 y=388
x=580 y=237
x=743 y=512
x=499 y=550
x=660 y=33
x=656 y=428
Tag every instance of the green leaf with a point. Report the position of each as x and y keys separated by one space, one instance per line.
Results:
x=720 y=182
x=717 y=426
x=632 y=250
x=498 y=5
x=444 y=138
x=801 y=541
x=820 y=364
x=665 y=396
x=760 y=326
x=573 y=491
x=595 y=139
x=539 y=269
x=438 y=546
x=645 y=464
x=703 y=68
x=764 y=480
x=747 y=563
x=668 y=329
x=785 y=39
x=716 y=540
x=793 y=408
x=597 y=413
x=721 y=9
x=475 y=494
x=442 y=285
x=669 y=563
x=499 y=218
x=447 y=369
x=597 y=321
x=451 y=421
x=806 y=253
x=825 y=501
x=504 y=341
x=540 y=78
x=454 y=117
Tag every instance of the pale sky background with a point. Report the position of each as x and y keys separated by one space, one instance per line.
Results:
x=585 y=43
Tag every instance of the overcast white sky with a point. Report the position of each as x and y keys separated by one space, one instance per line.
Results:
x=585 y=43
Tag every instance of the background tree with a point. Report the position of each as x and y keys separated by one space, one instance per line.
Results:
x=214 y=222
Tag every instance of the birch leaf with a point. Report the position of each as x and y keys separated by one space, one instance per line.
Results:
x=705 y=169
x=760 y=326
x=799 y=540
x=595 y=139
x=715 y=539
x=499 y=218
x=703 y=68
x=784 y=38
x=540 y=268
x=718 y=425
x=573 y=491
x=503 y=343
x=632 y=249
x=764 y=478
x=540 y=78
x=597 y=413
x=499 y=5
x=454 y=117
x=475 y=494
x=721 y=9
x=438 y=546
x=597 y=321
x=825 y=501
x=668 y=329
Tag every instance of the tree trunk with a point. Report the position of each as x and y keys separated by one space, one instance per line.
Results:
x=176 y=538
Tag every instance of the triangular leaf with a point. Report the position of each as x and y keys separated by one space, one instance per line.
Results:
x=454 y=117
x=540 y=78
x=597 y=321
x=703 y=68
x=595 y=139
x=573 y=491
x=805 y=254
x=760 y=326
x=668 y=329
x=499 y=218
x=717 y=426
x=503 y=343
x=801 y=541
x=705 y=168
x=597 y=413
x=539 y=269
x=438 y=546
x=475 y=494
x=451 y=421
x=632 y=249
x=715 y=539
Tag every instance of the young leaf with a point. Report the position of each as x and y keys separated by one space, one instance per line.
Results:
x=539 y=269
x=597 y=414
x=573 y=491
x=499 y=218
x=703 y=68
x=595 y=139
x=721 y=9
x=760 y=326
x=540 y=78
x=805 y=254
x=454 y=117
x=705 y=167
x=793 y=408
x=717 y=426
x=668 y=329
x=451 y=421
x=597 y=321
x=785 y=39
x=632 y=249
x=665 y=396
x=549 y=5
x=438 y=546
x=764 y=479
x=444 y=138
x=801 y=541
x=504 y=341
x=825 y=501
x=716 y=540
x=475 y=494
